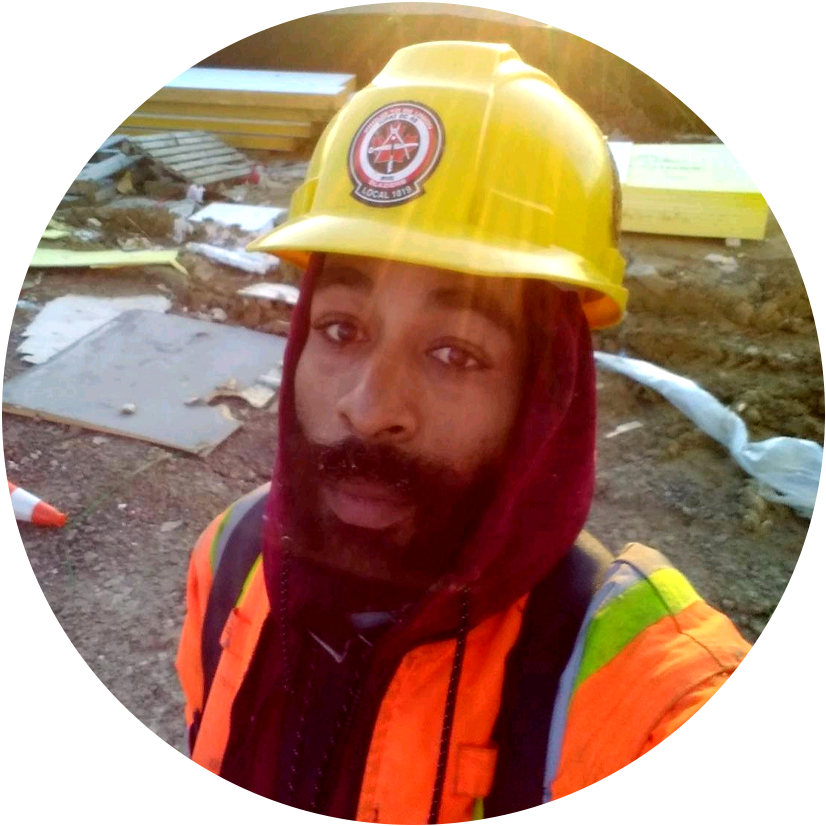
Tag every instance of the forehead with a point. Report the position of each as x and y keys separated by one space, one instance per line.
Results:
x=501 y=299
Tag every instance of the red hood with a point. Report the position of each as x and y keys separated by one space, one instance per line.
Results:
x=543 y=498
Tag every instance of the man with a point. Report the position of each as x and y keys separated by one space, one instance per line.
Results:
x=405 y=627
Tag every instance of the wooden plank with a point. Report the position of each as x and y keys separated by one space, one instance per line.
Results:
x=214 y=174
x=160 y=107
x=159 y=140
x=216 y=168
x=107 y=167
x=191 y=166
x=88 y=64
x=208 y=159
x=269 y=89
x=179 y=157
x=22 y=166
x=272 y=143
x=264 y=127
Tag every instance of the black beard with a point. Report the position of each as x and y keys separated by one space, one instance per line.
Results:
x=448 y=508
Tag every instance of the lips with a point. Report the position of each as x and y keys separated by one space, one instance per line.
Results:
x=366 y=504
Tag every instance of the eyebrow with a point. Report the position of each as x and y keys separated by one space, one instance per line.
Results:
x=477 y=301
x=343 y=276
x=445 y=298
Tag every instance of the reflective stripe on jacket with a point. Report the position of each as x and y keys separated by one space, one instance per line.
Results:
x=649 y=653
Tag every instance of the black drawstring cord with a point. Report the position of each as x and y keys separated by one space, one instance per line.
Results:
x=450 y=709
x=283 y=614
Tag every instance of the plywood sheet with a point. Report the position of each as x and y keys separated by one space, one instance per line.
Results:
x=322 y=93
x=100 y=64
x=158 y=363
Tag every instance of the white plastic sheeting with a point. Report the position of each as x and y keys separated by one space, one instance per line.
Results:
x=789 y=467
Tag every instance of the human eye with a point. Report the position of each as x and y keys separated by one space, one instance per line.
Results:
x=339 y=331
x=457 y=358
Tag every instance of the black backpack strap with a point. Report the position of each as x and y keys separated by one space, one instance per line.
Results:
x=239 y=545
x=553 y=615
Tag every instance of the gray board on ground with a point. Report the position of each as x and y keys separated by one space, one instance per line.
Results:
x=152 y=360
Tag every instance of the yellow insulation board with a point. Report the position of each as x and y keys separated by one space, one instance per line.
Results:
x=696 y=190
x=160 y=123
x=204 y=109
x=88 y=64
x=323 y=93
x=241 y=141
x=105 y=259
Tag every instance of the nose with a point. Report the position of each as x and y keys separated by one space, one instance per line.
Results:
x=380 y=405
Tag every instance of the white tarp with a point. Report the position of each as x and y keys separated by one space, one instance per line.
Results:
x=789 y=467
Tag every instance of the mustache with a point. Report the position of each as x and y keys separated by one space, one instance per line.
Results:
x=411 y=476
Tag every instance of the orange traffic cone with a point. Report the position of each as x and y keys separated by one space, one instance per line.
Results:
x=28 y=508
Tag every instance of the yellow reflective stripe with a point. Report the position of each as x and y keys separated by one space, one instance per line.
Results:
x=255 y=566
x=617 y=623
x=213 y=548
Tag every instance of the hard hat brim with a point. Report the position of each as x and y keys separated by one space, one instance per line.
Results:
x=603 y=302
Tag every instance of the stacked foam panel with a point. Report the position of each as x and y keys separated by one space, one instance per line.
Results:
x=688 y=189
x=246 y=108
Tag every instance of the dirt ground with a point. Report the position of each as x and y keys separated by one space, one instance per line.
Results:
x=114 y=576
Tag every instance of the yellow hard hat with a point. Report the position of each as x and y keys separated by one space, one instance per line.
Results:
x=462 y=157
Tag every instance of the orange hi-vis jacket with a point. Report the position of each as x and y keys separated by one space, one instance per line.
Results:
x=649 y=653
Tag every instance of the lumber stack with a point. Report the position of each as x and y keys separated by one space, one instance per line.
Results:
x=247 y=108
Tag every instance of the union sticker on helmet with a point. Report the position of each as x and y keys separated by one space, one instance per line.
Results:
x=393 y=152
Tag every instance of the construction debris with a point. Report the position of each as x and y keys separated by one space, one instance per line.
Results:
x=194 y=157
x=59 y=168
x=246 y=217
x=156 y=362
x=258 y=263
x=626 y=427
x=284 y=293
